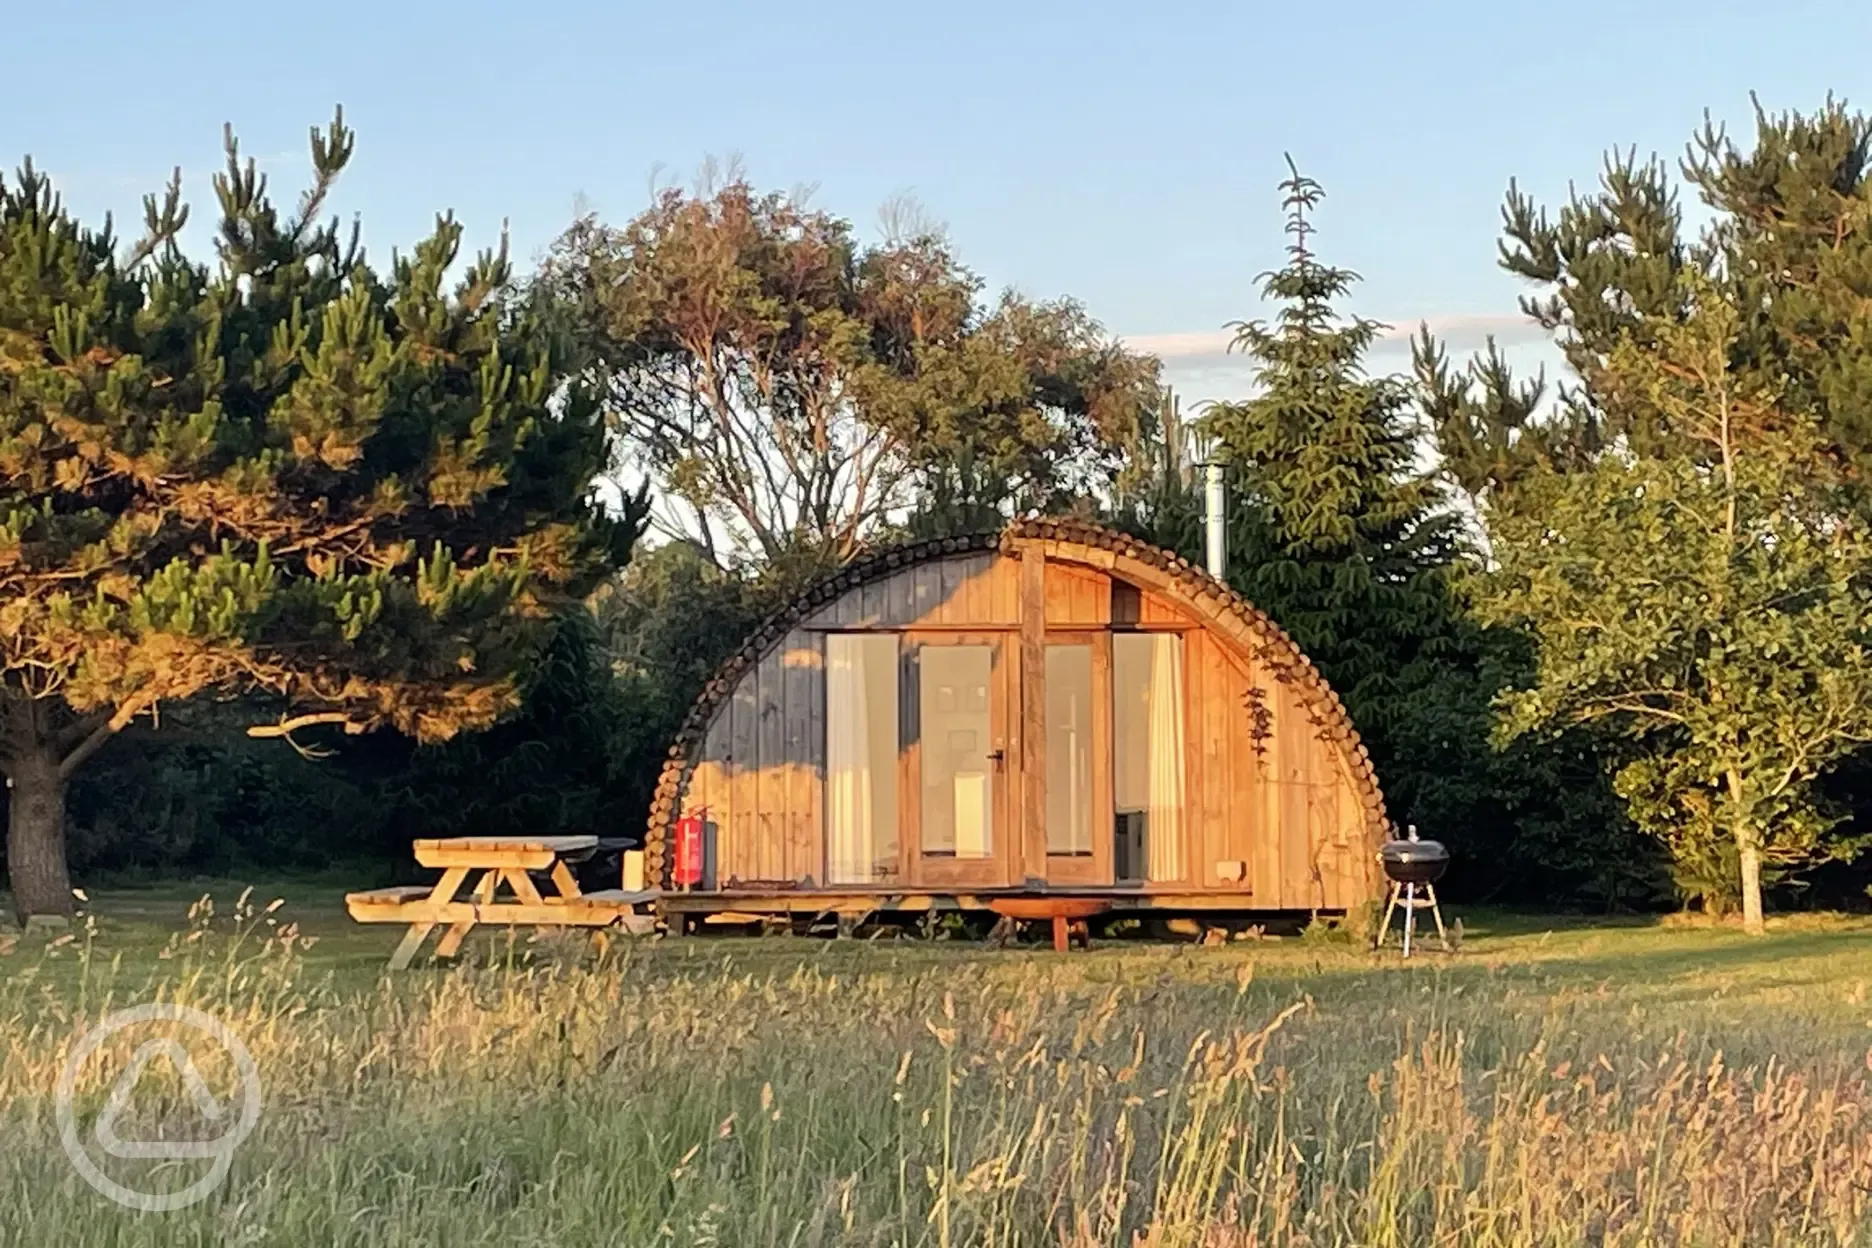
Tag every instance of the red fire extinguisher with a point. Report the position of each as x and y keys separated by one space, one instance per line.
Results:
x=690 y=851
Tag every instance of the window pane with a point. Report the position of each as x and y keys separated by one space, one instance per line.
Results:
x=1147 y=755
x=861 y=757
x=1069 y=749
x=956 y=733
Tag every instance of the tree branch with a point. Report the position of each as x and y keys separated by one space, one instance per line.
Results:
x=286 y=727
x=90 y=745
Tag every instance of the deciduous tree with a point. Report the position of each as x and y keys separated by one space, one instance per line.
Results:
x=788 y=389
x=1711 y=605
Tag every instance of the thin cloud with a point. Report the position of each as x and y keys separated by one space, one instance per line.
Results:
x=1462 y=332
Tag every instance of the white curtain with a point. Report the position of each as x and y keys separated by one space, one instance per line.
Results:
x=1165 y=825
x=849 y=835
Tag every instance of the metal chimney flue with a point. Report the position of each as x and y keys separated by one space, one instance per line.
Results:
x=1215 y=517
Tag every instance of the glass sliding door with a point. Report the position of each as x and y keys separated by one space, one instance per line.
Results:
x=1069 y=791
x=1147 y=757
x=959 y=758
x=861 y=758
x=1076 y=724
x=958 y=733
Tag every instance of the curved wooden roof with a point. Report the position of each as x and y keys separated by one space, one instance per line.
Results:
x=1209 y=600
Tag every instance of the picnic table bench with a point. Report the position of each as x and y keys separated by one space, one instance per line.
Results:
x=504 y=892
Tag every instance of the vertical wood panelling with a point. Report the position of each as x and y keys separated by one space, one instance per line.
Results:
x=1154 y=610
x=770 y=738
x=982 y=604
x=743 y=782
x=707 y=793
x=1077 y=597
x=969 y=591
x=1032 y=805
x=903 y=600
x=1220 y=762
x=1267 y=804
x=1323 y=818
x=1246 y=778
x=1199 y=777
x=952 y=577
x=926 y=590
x=1296 y=748
x=874 y=602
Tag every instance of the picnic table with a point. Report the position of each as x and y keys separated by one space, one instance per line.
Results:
x=503 y=892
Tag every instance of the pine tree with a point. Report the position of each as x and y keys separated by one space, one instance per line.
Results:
x=278 y=475
x=1789 y=245
x=1340 y=537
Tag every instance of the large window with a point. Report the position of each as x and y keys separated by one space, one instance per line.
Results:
x=861 y=757
x=1147 y=755
x=1069 y=750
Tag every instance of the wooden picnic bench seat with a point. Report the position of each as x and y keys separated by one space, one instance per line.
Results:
x=389 y=896
x=618 y=897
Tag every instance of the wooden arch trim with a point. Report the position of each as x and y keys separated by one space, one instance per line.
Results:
x=1253 y=634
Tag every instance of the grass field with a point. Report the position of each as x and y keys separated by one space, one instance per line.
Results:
x=1548 y=1084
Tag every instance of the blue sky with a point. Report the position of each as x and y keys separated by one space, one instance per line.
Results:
x=1125 y=154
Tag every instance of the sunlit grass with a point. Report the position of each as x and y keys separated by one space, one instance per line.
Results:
x=1615 y=1085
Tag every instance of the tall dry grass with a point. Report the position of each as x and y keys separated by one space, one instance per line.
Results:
x=652 y=1096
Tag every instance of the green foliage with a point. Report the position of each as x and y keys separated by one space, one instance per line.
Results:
x=1684 y=531
x=559 y=765
x=1789 y=245
x=791 y=393
x=670 y=621
x=169 y=803
x=1336 y=534
x=278 y=475
x=1712 y=610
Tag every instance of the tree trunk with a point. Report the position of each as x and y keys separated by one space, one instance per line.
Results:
x=36 y=838
x=1748 y=854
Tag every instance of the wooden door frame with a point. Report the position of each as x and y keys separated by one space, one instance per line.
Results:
x=996 y=870
x=1094 y=871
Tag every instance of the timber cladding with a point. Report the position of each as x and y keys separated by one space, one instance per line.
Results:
x=1274 y=803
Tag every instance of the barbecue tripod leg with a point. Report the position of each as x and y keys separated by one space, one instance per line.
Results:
x=1437 y=914
x=1385 y=927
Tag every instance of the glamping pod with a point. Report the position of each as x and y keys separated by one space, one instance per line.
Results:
x=1057 y=712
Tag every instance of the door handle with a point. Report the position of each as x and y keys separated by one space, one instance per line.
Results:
x=995 y=756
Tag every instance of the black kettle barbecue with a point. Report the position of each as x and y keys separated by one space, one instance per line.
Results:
x=1413 y=866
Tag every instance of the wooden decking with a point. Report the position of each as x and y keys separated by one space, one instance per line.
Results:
x=855 y=901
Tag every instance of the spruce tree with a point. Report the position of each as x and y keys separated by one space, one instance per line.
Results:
x=280 y=475
x=1341 y=538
